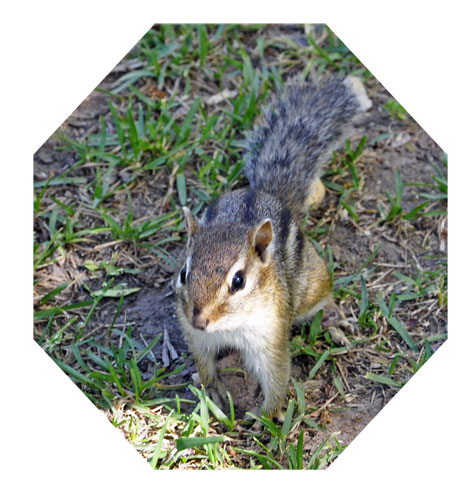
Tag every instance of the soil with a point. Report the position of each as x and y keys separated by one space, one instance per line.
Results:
x=406 y=248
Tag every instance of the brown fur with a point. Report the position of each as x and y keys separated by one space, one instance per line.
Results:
x=291 y=283
x=252 y=234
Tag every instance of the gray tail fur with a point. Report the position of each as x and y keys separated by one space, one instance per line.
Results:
x=297 y=134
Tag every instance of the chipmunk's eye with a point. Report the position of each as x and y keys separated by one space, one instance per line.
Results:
x=238 y=281
x=182 y=275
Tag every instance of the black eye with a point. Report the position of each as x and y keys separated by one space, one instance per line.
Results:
x=238 y=281
x=182 y=276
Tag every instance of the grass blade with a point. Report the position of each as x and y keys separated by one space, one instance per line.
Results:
x=195 y=442
x=156 y=453
x=383 y=380
x=74 y=373
x=318 y=364
x=181 y=185
x=396 y=324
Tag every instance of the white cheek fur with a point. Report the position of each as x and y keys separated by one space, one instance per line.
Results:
x=249 y=333
x=188 y=268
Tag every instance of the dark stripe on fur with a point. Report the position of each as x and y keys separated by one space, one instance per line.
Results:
x=285 y=224
x=300 y=240
x=249 y=205
x=211 y=212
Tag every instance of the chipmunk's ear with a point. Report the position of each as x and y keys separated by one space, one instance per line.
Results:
x=192 y=224
x=261 y=238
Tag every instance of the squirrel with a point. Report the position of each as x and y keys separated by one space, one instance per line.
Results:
x=249 y=273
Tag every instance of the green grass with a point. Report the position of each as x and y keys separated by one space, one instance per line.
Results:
x=171 y=132
x=395 y=110
x=103 y=371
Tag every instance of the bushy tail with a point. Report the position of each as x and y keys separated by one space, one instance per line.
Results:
x=297 y=134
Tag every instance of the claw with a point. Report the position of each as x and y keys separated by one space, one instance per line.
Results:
x=216 y=392
x=216 y=397
x=257 y=411
x=338 y=336
x=336 y=320
x=347 y=324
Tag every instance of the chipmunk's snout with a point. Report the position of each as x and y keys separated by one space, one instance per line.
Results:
x=199 y=320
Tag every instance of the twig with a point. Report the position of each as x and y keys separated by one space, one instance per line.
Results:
x=168 y=350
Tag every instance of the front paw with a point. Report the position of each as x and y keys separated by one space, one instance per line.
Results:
x=338 y=336
x=216 y=391
x=258 y=410
x=335 y=321
x=217 y=394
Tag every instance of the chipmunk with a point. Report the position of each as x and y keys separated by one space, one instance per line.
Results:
x=249 y=273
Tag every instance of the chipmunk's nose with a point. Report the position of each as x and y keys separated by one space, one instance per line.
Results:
x=198 y=320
